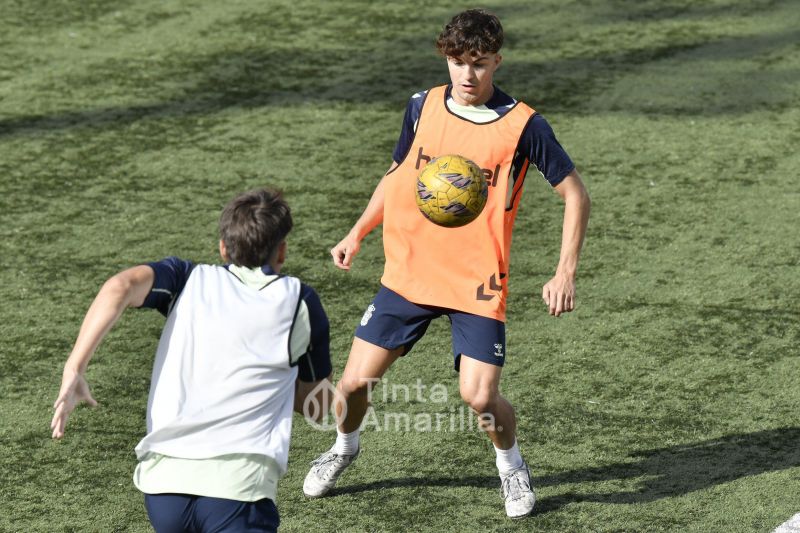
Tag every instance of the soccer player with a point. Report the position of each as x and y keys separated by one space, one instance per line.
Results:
x=242 y=345
x=461 y=273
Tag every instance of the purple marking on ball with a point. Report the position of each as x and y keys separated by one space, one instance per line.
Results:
x=456 y=179
x=423 y=192
x=458 y=209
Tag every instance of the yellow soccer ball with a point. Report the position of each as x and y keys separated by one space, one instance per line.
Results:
x=451 y=191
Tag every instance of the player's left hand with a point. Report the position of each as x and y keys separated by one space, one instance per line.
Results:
x=74 y=390
x=559 y=294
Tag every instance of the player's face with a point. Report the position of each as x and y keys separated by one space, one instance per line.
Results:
x=471 y=76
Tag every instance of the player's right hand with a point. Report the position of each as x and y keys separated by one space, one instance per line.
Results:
x=344 y=252
x=74 y=390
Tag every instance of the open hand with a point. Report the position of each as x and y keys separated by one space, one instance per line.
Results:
x=74 y=390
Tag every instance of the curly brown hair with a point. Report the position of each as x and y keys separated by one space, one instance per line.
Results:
x=252 y=226
x=475 y=31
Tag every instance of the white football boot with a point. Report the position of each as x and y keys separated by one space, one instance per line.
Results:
x=517 y=492
x=325 y=470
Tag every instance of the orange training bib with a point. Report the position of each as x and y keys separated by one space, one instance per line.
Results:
x=463 y=268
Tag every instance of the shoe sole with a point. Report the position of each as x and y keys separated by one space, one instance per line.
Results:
x=320 y=495
x=520 y=517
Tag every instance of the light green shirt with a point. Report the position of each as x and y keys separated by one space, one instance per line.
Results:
x=480 y=114
x=244 y=477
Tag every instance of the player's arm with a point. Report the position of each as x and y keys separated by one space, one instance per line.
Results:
x=559 y=293
x=313 y=399
x=344 y=252
x=129 y=288
x=313 y=396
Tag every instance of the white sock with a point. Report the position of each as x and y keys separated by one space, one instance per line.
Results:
x=508 y=460
x=346 y=443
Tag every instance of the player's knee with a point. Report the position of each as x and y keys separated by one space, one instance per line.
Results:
x=354 y=386
x=479 y=400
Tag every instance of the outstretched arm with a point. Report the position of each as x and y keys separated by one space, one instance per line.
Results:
x=559 y=293
x=129 y=288
x=345 y=251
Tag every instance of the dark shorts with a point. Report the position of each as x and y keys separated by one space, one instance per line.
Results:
x=184 y=513
x=391 y=321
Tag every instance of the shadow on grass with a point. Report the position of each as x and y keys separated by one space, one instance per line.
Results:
x=648 y=11
x=678 y=470
x=259 y=77
x=403 y=482
x=664 y=472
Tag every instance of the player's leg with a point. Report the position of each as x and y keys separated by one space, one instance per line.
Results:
x=479 y=348
x=479 y=386
x=478 y=383
x=388 y=330
x=365 y=366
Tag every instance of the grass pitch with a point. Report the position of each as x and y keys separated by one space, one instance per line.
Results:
x=666 y=402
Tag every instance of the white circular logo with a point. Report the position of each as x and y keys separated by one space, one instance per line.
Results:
x=319 y=407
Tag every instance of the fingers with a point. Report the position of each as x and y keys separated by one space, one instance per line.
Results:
x=569 y=303
x=338 y=257
x=74 y=392
x=564 y=303
x=558 y=308
x=58 y=423
x=557 y=301
x=348 y=258
x=61 y=399
x=552 y=300
x=343 y=255
x=342 y=260
x=63 y=409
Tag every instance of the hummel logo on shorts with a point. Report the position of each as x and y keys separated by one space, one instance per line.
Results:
x=367 y=314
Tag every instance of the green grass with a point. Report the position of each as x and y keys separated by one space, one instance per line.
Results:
x=666 y=402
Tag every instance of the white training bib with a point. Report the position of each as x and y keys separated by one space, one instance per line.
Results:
x=224 y=378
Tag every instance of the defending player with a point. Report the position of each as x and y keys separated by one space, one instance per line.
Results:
x=242 y=345
x=430 y=271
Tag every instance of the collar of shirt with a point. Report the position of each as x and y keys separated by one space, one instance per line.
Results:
x=255 y=278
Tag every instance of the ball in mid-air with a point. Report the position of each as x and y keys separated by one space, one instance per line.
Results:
x=451 y=191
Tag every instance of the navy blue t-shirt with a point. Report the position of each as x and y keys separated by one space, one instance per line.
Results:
x=538 y=143
x=171 y=275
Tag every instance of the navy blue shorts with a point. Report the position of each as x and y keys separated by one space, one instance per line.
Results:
x=185 y=513
x=392 y=322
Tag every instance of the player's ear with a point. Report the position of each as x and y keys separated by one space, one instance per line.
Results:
x=223 y=252
x=497 y=60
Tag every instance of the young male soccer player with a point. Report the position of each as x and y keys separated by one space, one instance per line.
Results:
x=242 y=345
x=458 y=272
